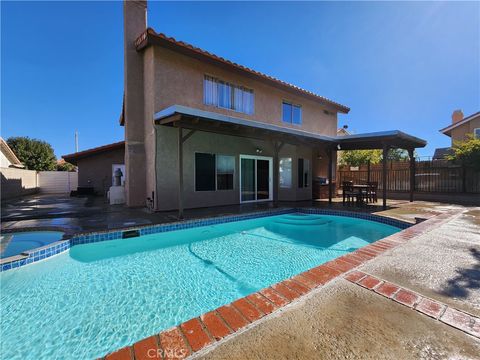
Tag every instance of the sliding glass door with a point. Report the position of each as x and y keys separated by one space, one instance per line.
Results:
x=255 y=178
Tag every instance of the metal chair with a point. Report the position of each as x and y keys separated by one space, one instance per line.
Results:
x=348 y=192
x=372 y=191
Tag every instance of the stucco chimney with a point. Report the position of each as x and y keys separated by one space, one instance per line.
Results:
x=134 y=24
x=457 y=116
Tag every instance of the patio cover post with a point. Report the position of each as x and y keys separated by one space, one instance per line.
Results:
x=368 y=172
x=411 y=154
x=180 y=173
x=384 y=174
x=330 y=174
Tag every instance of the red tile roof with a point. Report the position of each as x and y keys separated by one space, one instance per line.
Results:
x=150 y=37
x=72 y=158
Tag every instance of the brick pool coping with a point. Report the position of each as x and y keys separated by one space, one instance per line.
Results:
x=220 y=324
x=44 y=252
x=460 y=320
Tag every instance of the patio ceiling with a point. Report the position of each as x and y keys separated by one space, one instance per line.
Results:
x=196 y=119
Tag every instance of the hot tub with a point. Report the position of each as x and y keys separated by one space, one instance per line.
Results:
x=15 y=243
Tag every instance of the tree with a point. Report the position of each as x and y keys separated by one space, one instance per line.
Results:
x=62 y=165
x=466 y=152
x=362 y=157
x=34 y=154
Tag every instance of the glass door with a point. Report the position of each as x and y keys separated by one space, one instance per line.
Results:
x=255 y=178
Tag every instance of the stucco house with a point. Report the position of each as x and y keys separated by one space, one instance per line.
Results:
x=8 y=157
x=458 y=130
x=96 y=166
x=203 y=131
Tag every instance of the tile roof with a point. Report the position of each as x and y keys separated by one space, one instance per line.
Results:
x=150 y=37
x=72 y=158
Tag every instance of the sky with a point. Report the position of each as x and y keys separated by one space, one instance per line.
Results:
x=397 y=65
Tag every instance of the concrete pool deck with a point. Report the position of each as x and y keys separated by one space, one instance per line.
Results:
x=339 y=319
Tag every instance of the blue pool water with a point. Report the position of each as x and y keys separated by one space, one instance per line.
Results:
x=96 y=298
x=15 y=243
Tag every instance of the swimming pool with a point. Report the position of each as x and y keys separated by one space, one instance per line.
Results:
x=18 y=242
x=96 y=298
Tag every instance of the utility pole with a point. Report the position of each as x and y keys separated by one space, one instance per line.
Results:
x=76 y=141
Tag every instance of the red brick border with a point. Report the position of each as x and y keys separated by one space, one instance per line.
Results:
x=433 y=308
x=195 y=334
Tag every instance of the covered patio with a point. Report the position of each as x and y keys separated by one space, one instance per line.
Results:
x=190 y=120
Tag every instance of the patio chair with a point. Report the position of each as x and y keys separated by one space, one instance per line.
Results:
x=372 y=191
x=349 y=194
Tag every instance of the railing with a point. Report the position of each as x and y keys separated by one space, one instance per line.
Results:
x=429 y=177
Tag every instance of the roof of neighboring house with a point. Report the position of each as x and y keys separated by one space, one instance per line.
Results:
x=440 y=153
x=9 y=154
x=73 y=158
x=343 y=132
x=150 y=37
x=467 y=119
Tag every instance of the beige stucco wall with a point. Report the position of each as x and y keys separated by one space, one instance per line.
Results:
x=178 y=80
x=167 y=168
x=459 y=133
x=96 y=170
x=18 y=182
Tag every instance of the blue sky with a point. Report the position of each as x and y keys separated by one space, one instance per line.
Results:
x=403 y=66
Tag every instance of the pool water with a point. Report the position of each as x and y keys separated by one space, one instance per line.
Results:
x=96 y=298
x=15 y=243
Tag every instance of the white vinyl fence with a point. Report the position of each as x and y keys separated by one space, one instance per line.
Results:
x=57 y=182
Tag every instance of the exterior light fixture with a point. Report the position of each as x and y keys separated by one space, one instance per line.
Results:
x=258 y=150
x=339 y=147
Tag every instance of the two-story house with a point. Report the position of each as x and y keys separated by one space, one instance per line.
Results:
x=203 y=131
x=458 y=130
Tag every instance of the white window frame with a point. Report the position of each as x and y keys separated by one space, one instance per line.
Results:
x=216 y=102
x=291 y=173
x=475 y=133
x=270 y=175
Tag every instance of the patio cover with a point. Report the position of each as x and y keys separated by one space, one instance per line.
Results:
x=193 y=119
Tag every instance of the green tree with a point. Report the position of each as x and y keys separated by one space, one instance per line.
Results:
x=466 y=152
x=359 y=157
x=362 y=157
x=34 y=154
x=62 y=165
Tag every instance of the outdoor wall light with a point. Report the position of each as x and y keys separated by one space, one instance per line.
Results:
x=258 y=150
x=339 y=147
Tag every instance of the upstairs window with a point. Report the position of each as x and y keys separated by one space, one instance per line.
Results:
x=291 y=113
x=228 y=96
x=303 y=173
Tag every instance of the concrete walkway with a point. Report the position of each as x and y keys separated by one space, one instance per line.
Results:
x=344 y=320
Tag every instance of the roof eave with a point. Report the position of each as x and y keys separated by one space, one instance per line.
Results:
x=149 y=37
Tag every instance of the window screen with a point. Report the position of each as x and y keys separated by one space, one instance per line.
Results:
x=204 y=172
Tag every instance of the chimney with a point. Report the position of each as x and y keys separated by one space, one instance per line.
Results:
x=457 y=116
x=134 y=24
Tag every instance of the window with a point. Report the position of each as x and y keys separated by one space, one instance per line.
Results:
x=225 y=171
x=476 y=133
x=285 y=172
x=228 y=96
x=303 y=173
x=291 y=114
x=214 y=172
x=204 y=172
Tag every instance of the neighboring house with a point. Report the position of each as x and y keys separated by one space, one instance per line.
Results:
x=8 y=157
x=202 y=131
x=96 y=166
x=459 y=129
x=343 y=132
